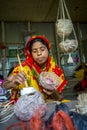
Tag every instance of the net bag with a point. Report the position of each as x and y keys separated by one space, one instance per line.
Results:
x=49 y=80
x=27 y=104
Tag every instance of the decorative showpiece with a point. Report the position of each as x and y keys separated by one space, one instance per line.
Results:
x=49 y=80
x=82 y=103
x=64 y=27
x=68 y=45
x=27 y=104
x=65 y=30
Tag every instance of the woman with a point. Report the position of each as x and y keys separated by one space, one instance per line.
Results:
x=38 y=60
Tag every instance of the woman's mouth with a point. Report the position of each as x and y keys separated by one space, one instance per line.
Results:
x=40 y=59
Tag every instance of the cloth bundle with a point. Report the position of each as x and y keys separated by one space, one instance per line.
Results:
x=49 y=80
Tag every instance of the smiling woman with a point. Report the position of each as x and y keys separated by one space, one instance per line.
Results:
x=38 y=60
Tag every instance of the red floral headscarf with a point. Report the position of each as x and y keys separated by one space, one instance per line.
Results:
x=29 y=60
x=33 y=38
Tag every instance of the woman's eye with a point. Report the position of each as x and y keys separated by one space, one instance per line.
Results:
x=42 y=48
x=34 y=51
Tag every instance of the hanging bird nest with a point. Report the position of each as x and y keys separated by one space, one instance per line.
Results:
x=64 y=27
x=27 y=105
x=65 y=30
x=68 y=45
x=82 y=103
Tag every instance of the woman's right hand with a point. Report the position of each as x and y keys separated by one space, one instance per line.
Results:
x=19 y=78
x=14 y=80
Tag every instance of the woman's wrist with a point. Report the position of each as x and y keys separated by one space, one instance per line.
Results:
x=8 y=82
x=57 y=96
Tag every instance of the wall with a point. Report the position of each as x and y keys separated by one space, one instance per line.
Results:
x=14 y=34
x=14 y=38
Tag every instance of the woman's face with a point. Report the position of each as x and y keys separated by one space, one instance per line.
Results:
x=39 y=53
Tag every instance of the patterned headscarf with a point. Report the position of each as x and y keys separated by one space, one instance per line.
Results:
x=33 y=38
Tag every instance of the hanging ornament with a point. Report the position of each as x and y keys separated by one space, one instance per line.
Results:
x=64 y=24
x=3 y=46
x=68 y=45
x=62 y=61
x=64 y=27
x=70 y=60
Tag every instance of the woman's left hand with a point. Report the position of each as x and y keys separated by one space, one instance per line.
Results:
x=47 y=92
x=54 y=94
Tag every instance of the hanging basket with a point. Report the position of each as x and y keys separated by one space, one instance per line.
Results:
x=64 y=27
x=68 y=46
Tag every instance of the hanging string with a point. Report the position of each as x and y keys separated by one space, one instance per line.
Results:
x=71 y=20
x=64 y=17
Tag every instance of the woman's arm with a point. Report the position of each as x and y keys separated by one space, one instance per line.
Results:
x=14 y=80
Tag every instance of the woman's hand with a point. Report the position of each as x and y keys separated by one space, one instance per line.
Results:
x=47 y=92
x=54 y=94
x=14 y=80
x=19 y=78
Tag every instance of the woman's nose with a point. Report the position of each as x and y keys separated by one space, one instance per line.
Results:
x=38 y=52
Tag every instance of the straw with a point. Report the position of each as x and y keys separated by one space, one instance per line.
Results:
x=26 y=84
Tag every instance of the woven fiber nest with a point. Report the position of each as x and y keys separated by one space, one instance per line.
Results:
x=64 y=27
x=82 y=103
x=27 y=105
x=49 y=80
x=68 y=45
